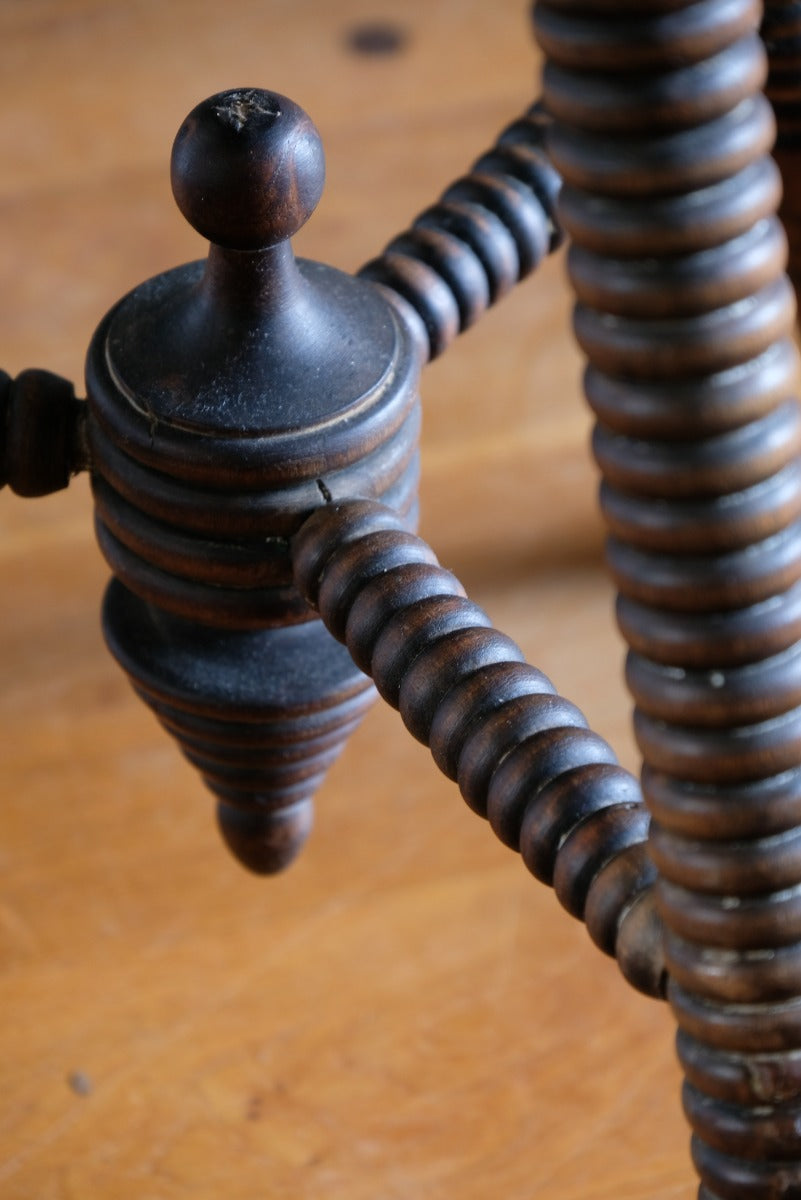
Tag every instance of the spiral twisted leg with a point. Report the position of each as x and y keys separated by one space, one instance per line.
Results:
x=522 y=755
x=662 y=136
x=489 y=230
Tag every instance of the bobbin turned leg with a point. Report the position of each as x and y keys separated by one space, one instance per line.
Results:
x=488 y=231
x=662 y=137
x=522 y=755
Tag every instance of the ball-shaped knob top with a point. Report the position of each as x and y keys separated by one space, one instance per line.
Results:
x=247 y=168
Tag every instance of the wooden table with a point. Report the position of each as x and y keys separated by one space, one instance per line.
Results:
x=405 y=1013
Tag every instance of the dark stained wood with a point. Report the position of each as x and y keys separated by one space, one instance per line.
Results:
x=42 y=433
x=686 y=325
x=522 y=755
x=211 y=439
x=212 y=394
x=488 y=231
x=222 y=409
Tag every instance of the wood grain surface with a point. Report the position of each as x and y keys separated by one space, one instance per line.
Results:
x=405 y=1013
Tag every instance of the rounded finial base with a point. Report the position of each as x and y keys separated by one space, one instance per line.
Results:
x=265 y=842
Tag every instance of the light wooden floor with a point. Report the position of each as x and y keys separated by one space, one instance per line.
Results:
x=406 y=1014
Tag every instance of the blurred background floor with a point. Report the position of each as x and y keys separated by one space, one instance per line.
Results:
x=405 y=1013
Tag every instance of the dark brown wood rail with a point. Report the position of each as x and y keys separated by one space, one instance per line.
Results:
x=522 y=755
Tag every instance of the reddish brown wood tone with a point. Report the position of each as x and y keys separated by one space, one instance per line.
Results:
x=523 y=757
x=212 y=391
x=662 y=136
x=488 y=231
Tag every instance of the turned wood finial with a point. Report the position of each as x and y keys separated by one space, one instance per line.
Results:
x=247 y=168
x=228 y=398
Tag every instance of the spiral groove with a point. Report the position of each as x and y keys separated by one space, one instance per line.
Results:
x=488 y=231
x=662 y=137
x=522 y=755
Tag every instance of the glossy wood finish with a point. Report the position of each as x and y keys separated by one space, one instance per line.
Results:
x=690 y=372
x=489 y=230
x=221 y=407
x=225 y=399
